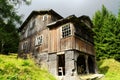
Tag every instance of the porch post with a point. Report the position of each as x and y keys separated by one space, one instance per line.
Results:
x=86 y=62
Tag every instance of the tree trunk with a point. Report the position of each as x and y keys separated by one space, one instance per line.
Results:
x=2 y=44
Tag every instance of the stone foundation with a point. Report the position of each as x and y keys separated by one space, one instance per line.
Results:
x=50 y=61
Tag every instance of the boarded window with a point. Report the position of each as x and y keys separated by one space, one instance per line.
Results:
x=66 y=31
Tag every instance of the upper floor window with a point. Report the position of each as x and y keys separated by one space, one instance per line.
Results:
x=39 y=40
x=44 y=17
x=25 y=45
x=32 y=24
x=66 y=31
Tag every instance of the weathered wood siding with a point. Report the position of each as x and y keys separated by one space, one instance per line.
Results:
x=52 y=38
x=84 y=46
x=39 y=28
x=43 y=47
x=56 y=42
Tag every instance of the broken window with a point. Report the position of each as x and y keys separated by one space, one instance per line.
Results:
x=66 y=31
x=61 y=64
x=39 y=40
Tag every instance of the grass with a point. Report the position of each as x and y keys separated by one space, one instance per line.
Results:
x=12 y=68
x=110 y=68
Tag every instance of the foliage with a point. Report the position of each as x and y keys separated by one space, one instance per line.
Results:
x=9 y=19
x=107 y=38
x=110 y=68
x=12 y=68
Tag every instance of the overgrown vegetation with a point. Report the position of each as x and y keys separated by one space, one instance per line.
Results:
x=110 y=68
x=107 y=38
x=12 y=68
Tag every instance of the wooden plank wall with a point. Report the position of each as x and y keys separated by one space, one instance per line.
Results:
x=44 y=46
x=56 y=42
x=84 y=46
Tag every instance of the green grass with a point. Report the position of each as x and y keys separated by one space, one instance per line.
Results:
x=12 y=68
x=110 y=68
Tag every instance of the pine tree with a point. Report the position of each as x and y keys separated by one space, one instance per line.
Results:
x=106 y=38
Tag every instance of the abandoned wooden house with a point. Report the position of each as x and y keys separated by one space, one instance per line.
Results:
x=63 y=45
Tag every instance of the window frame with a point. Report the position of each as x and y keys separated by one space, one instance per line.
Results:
x=45 y=17
x=39 y=40
x=66 y=30
x=25 y=46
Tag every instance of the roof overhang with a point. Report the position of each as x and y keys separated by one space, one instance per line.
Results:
x=71 y=18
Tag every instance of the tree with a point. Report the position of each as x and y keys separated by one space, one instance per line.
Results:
x=9 y=37
x=107 y=31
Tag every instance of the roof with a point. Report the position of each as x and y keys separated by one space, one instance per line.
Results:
x=50 y=11
x=84 y=17
x=73 y=19
x=70 y=18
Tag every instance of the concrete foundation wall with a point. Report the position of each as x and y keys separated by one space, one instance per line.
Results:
x=69 y=63
x=50 y=61
x=52 y=64
x=42 y=60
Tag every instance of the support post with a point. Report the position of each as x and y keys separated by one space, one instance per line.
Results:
x=86 y=62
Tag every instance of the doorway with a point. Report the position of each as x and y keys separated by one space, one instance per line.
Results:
x=81 y=66
x=91 y=65
x=61 y=64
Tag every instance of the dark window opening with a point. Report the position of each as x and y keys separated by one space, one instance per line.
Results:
x=91 y=66
x=81 y=66
x=66 y=31
x=61 y=65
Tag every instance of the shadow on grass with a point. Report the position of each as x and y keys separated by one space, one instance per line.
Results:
x=104 y=69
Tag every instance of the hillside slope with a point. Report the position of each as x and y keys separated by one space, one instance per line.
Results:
x=12 y=68
x=110 y=68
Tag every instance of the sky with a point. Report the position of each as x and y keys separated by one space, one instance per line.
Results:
x=70 y=7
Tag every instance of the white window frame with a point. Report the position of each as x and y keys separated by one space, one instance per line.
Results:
x=45 y=17
x=39 y=40
x=66 y=31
